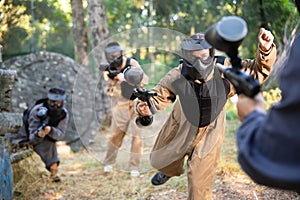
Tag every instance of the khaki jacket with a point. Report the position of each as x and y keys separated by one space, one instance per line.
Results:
x=119 y=104
x=178 y=136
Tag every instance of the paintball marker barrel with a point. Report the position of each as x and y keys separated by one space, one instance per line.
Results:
x=43 y=125
x=226 y=35
x=134 y=77
x=42 y=114
x=145 y=95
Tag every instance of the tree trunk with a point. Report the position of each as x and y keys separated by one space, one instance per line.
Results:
x=264 y=23
x=98 y=21
x=79 y=33
x=100 y=32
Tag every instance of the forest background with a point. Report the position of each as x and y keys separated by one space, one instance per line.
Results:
x=73 y=28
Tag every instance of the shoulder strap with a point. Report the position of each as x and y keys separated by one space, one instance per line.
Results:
x=127 y=62
x=126 y=65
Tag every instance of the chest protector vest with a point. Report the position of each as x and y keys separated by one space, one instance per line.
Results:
x=202 y=103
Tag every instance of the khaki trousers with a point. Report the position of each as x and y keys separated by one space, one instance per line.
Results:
x=201 y=171
x=203 y=156
x=115 y=141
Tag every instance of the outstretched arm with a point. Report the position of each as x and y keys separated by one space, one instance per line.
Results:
x=261 y=67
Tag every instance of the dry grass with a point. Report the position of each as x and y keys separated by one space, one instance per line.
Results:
x=83 y=178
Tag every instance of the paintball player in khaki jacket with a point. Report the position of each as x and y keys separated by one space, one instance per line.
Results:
x=123 y=114
x=196 y=125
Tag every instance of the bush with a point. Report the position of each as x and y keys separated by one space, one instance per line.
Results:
x=271 y=97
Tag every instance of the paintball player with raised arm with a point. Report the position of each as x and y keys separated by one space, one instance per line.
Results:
x=123 y=115
x=268 y=143
x=45 y=124
x=196 y=125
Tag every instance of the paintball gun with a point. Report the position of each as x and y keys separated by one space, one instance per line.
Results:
x=43 y=116
x=112 y=72
x=134 y=76
x=226 y=35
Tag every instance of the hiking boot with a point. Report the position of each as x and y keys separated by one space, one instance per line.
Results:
x=55 y=178
x=159 y=178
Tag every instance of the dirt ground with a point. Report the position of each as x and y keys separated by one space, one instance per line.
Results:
x=83 y=178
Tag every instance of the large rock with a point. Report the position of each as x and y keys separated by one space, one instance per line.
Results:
x=36 y=74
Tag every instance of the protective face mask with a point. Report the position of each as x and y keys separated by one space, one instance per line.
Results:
x=203 y=68
x=116 y=62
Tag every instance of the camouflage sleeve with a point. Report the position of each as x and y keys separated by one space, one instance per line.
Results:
x=261 y=67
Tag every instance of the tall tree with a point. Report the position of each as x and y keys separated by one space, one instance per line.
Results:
x=79 y=33
x=97 y=21
x=99 y=32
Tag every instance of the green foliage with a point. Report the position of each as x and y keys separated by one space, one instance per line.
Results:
x=231 y=112
x=29 y=26
x=272 y=15
x=189 y=16
x=228 y=161
x=49 y=28
x=121 y=15
x=272 y=96
x=163 y=62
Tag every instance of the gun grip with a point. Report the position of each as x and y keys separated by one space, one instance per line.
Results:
x=144 y=121
x=151 y=107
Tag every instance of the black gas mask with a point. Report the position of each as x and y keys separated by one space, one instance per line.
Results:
x=54 y=108
x=115 y=62
x=114 y=55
